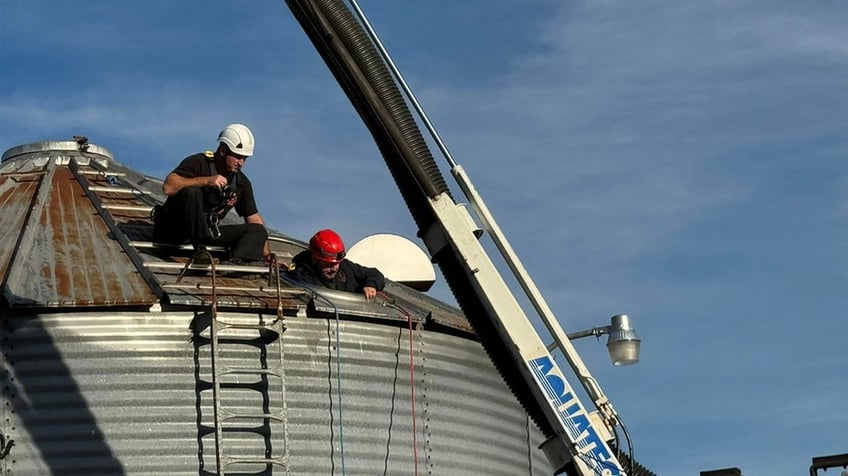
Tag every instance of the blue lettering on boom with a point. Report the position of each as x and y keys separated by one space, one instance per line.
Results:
x=557 y=385
x=575 y=419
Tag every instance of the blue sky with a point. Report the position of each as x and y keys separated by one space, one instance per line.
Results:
x=684 y=162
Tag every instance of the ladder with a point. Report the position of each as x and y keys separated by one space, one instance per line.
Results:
x=223 y=454
x=260 y=334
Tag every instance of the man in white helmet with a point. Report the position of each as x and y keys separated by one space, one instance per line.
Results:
x=202 y=189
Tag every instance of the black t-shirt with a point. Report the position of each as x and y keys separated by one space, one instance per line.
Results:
x=203 y=165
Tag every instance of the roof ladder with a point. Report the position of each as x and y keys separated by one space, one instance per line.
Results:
x=91 y=192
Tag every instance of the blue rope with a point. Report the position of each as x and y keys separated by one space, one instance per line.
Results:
x=338 y=363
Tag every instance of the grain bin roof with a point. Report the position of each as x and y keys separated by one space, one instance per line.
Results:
x=78 y=233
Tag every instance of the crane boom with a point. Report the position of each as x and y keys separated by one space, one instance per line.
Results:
x=577 y=439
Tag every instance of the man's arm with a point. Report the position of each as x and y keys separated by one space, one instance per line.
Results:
x=175 y=182
x=371 y=279
x=257 y=218
x=374 y=278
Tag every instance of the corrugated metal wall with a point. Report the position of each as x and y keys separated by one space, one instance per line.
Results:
x=127 y=393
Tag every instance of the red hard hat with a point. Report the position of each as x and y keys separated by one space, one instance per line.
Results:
x=327 y=246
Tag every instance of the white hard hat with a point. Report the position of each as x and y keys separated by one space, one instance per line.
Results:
x=238 y=138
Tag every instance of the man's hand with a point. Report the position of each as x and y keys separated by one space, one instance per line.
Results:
x=217 y=181
x=370 y=293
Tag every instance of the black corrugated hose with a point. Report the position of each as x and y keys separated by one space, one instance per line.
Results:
x=364 y=77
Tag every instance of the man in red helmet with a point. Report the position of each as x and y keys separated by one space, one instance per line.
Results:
x=324 y=264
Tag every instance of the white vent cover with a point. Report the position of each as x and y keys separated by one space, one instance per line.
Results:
x=398 y=258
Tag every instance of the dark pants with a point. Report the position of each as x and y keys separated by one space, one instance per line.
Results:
x=183 y=220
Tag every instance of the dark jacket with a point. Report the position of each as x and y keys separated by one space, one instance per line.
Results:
x=351 y=277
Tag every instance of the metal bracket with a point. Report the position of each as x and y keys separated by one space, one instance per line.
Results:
x=557 y=452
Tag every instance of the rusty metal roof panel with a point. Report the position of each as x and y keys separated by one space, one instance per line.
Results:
x=66 y=255
x=16 y=195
